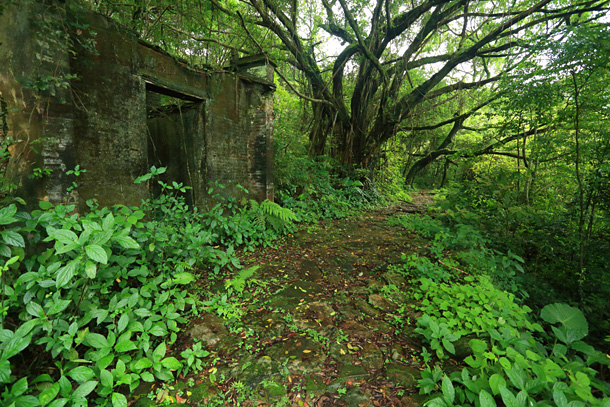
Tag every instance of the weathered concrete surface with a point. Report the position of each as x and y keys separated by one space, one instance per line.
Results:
x=101 y=120
x=38 y=113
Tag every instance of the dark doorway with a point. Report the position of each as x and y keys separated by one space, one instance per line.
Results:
x=173 y=122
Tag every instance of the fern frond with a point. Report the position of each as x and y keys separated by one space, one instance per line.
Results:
x=254 y=205
x=273 y=209
x=238 y=283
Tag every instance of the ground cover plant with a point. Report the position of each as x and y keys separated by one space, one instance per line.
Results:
x=506 y=355
x=92 y=303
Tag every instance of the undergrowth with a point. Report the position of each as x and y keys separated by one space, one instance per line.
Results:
x=91 y=304
x=501 y=353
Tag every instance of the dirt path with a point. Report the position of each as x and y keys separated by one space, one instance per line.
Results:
x=320 y=323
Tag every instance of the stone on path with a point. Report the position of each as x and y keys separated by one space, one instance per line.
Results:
x=382 y=303
x=295 y=293
x=210 y=329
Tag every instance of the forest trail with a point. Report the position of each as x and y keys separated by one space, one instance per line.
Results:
x=320 y=323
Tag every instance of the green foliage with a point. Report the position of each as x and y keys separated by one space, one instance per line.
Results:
x=85 y=296
x=315 y=192
x=469 y=249
x=239 y=282
x=574 y=326
x=103 y=295
x=510 y=360
x=545 y=236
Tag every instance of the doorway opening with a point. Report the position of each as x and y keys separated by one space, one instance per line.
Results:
x=173 y=126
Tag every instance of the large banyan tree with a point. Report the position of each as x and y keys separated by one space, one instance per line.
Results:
x=397 y=57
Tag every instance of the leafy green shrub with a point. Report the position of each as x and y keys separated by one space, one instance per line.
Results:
x=85 y=300
x=469 y=252
x=93 y=300
x=511 y=363
x=318 y=193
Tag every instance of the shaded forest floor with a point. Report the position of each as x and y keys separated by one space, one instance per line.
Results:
x=319 y=324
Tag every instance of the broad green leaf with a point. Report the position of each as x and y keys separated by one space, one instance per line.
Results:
x=108 y=222
x=143 y=363
x=159 y=352
x=571 y=318
x=90 y=269
x=495 y=381
x=448 y=390
x=147 y=377
x=64 y=236
x=14 y=346
x=516 y=376
x=127 y=242
x=123 y=321
x=19 y=387
x=125 y=346
x=48 y=394
x=59 y=402
x=582 y=386
x=104 y=362
x=97 y=340
x=559 y=397
x=5 y=251
x=68 y=248
x=142 y=312
x=119 y=400
x=58 y=306
x=34 y=309
x=173 y=364
x=508 y=397
x=84 y=390
x=5 y=371
x=184 y=278
x=45 y=205
x=27 y=401
x=6 y=214
x=477 y=345
x=552 y=369
x=81 y=374
x=158 y=330
x=12 y=238
x=96 y=253
x=486 y=399
x=120 y=368
x=66 y=273
x=106 y=378
x=448 y=345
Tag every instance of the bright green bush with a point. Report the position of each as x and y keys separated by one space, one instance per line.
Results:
x=93 y=301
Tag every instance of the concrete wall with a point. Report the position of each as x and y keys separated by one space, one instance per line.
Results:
x=100 y=121
x=39 y=114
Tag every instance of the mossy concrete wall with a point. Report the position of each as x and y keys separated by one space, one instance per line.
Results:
x=100 y=121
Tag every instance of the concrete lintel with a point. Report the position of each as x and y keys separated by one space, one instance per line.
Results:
x=171 y=88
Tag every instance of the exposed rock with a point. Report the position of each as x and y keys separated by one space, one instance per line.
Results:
x=402 y=374
x=382 y=303
x=374 y=286
x=316 y=315
x=356 y=398
x=309 y=271
x=391 y=277
x=210 y=330
x=372 y=358
x=294 y=294
x=364 y=307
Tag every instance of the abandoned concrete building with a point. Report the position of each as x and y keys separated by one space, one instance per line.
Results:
x=79 y=89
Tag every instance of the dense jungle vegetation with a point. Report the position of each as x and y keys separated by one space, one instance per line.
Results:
x=501 y=107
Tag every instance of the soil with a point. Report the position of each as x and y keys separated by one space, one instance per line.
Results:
x=326 y=320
